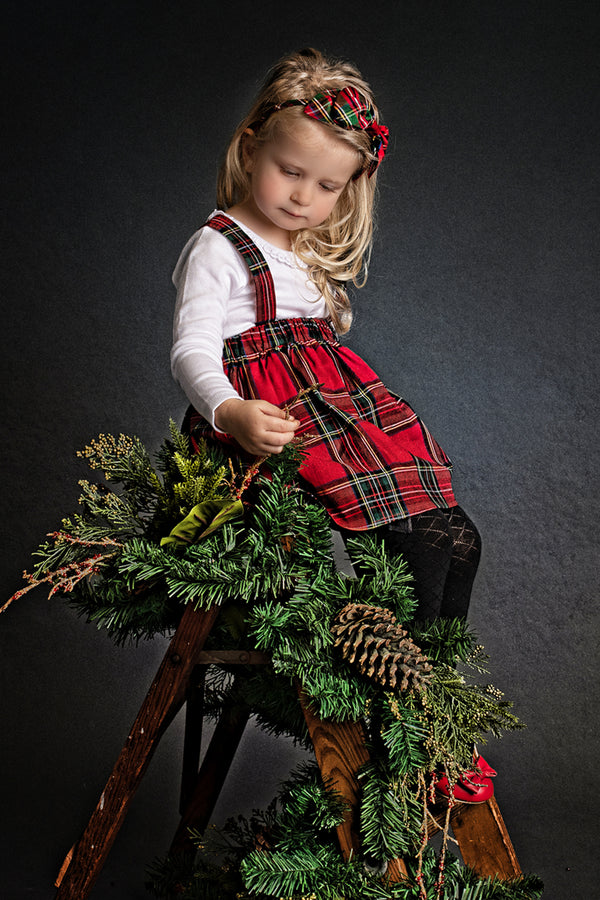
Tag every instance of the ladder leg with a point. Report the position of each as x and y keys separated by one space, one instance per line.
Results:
x=165 y=697
x=483 y=839
x=340 y=751
x=211 y=777
x=192 y=742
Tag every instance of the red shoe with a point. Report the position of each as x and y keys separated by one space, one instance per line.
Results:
x=470 y=788
x=480 y=765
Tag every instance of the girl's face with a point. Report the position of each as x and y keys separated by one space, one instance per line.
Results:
x=296 y=180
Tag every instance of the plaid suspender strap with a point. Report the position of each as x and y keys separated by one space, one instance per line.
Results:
x=259 y=269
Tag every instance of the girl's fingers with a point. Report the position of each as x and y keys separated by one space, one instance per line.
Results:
x=277 y=411
x=273 y=442
x=282 y=426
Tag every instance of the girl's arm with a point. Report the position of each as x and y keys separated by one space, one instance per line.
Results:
x=209 y=277
x=212 y=294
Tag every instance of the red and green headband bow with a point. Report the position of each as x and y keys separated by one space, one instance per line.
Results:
x=347 y=109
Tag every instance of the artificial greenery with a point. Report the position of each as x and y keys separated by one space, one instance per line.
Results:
x=289 y=852
x=191 y=528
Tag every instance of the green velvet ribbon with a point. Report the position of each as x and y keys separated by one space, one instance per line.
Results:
x=202 y=520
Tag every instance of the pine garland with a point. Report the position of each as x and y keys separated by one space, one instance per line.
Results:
x=190 y=529
x=290 y=852
x=390 y=815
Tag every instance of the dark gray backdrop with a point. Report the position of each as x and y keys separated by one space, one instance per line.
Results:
x=481 y=309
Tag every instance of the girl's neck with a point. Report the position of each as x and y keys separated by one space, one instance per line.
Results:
x=249 y=215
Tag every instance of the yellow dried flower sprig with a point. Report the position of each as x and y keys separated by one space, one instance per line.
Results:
x=105 y=446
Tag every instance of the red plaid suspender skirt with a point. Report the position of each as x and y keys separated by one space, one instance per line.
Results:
x=371 y=461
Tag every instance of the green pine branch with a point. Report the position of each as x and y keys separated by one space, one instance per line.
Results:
x=390 y=818
x=382 y=580
x=403 y=735
x=459 y=715
x=445 y=641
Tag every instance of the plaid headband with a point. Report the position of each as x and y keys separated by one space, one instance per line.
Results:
x=347 y=109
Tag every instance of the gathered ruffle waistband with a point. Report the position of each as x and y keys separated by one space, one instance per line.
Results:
x=277 y=334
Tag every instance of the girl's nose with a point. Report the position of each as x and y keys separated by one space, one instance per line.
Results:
x=301 y=195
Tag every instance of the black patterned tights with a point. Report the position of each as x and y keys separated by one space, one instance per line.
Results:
x=442 y=548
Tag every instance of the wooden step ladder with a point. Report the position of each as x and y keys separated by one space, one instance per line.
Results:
x=339 y=749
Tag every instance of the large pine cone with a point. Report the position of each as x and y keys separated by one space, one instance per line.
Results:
x=371 y=639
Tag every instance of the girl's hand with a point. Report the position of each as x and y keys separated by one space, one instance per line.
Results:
x=257 y=425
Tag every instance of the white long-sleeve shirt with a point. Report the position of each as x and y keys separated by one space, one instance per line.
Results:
x=216 y=300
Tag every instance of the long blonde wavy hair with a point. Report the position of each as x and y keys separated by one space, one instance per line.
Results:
x=338 y=251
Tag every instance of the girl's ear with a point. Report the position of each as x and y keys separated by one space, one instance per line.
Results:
x=248 y=149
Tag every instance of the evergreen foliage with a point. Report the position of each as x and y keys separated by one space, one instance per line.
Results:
x=391 y=818
x=153 y=537
x=289 y=852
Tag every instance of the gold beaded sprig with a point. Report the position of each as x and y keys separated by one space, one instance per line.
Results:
x=106 y=447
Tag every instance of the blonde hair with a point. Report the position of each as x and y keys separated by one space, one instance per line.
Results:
x=338 y=250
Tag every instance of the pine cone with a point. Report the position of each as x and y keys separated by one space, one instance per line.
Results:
x=371 y=639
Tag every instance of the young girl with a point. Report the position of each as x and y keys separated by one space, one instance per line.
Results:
x=260 y=299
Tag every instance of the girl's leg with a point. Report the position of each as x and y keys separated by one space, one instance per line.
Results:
x=426 y=543
x=463 y=567
x=442 y=549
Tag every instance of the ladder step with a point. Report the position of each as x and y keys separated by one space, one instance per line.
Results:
x=483 y=839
